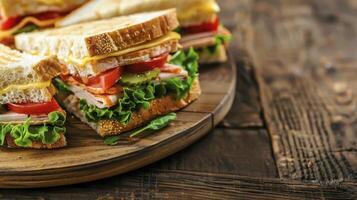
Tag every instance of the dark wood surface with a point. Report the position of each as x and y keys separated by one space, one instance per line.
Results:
x=292 y=132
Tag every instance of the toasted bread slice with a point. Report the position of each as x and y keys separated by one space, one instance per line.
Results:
x=26 y=77
x=62 y=142
x=14 y=8
x=99 y=39
x=157 y=107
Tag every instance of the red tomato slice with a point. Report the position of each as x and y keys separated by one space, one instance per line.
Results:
x=34 y=108
x=9 y=23
x=8 y=41
x=106 y=80
x=157 y=62
x=13 y=21
x=204 y=27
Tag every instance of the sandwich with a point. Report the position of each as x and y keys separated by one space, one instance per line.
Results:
x=122 y=72
x=199 y=22
x=29 y=115
x=18 y=16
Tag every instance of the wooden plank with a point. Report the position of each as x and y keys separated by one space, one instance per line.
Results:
x=226 y=151
x=169 y=184
x=218 y=82
x=289 y=43
x=246 y=111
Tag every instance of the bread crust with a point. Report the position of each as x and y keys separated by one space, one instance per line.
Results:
x=49 y=68
x=132 y=35
x=158 y=107
x=62 y=142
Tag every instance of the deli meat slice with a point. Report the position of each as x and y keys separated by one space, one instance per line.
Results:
x=200 y=40
x=101 y=101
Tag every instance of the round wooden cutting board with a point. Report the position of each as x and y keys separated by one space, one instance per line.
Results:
x=87 y=158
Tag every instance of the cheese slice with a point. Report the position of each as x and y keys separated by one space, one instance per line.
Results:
x=51 y=2
x=39 y=85
x=24 y=22
x=168 y=37
x=192 y=12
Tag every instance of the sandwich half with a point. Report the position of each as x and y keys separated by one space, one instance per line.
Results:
x=29 y=115
x=18 y=16
x=122 y=72
x=199 y=22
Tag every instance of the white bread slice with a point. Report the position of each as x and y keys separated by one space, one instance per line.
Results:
x=157 y=107
x=21 y=69
x=28 y=95
x=190 y=12
x=92 y=11
x=14 y=8
x=98 y=38
x=62 y=142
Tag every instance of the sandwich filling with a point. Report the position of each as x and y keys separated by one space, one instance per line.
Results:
x=22 y=24
x=206 y=38
x=26 y=123
x=118 y=92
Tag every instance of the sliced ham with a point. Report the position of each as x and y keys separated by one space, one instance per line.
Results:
x=172 y=71
x=114 y=90
x=197 y=36
x=110 y=100
x=101 y=101
x=12 y=116
x=200 y=40
x=16 y=118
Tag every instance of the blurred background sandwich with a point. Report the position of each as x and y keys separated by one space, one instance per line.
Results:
x=18 y=16
x=199 y=22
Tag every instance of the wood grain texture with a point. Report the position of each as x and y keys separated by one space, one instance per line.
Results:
x=296 y=48
x=86 y=158
x=223 y=151
x=168 y=184
x=226 y=151
x=246 y=112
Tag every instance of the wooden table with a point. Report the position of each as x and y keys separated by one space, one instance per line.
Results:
x=293 y=138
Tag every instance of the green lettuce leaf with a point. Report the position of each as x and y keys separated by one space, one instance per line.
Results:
x=219 y=40
x=61 y=86
x=133 y=99
x=57 y=118
x=26 y=29
x=155 y=124
x=139 y=96
x=24 y=134
x=4 y=130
